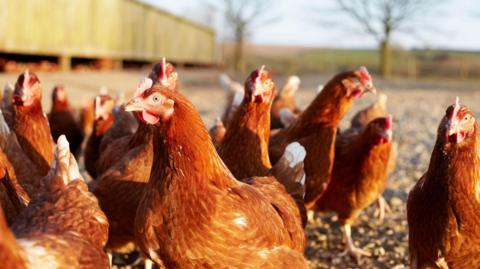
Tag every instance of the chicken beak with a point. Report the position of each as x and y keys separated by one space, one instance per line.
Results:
x=370 y=88
x=134 y=105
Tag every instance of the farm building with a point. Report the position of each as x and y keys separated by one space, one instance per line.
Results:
x=121 y=30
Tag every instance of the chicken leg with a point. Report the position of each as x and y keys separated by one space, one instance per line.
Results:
x=382 y=208
x=350 y=248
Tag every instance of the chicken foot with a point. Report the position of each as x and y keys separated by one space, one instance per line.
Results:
x=350 y=248
x=382 y=208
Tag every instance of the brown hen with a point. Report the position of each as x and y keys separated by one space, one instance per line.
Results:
x=194 y=213
x=120 y=188
x=234 y=97
x=244 y=148
x=62 y=120
x=358 y=123
x=112 y=149
x=31 y=124
x=443 y=207
x=25 y=172
x=285 y=100
x=359 y=176
x=103 y=106
x=316 y=129
x=217 y=131
x=64 y=228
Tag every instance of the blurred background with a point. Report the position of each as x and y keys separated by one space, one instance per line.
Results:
x=394 y=38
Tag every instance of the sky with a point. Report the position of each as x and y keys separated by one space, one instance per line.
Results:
x=453 y=25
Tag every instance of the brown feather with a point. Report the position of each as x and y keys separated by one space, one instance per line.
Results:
x=120 y=188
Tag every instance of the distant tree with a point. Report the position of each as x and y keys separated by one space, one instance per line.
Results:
x=381 y=18
x=241 y=17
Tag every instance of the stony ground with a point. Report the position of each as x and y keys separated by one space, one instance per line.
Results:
x=417 y=108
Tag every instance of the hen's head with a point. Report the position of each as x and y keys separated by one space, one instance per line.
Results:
x=103 y=106
x=27 y=89
x=151 y=102
x=380 y=130
x=165 y=74
x=58 y=94
x=458 y=124
x=357 y=82
x=259 y=87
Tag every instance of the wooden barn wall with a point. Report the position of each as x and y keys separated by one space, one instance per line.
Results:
x=119 y=29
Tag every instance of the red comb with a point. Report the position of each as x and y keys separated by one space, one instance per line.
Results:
x=97 y=102
x=456 y=109
x=26 y=79
x=143 y=86
x=259 y=74
x=388 y=122
x=364 y=74
x=164 y=67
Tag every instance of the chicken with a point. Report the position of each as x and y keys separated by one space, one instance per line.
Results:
x=121 y=186
x=316 y=129
x=358 y=123
x=87 y=116
x=63 y=228
x=31 y=124
x=442 y=207
x=247 y=137
x=124 y=125
x=217 y=131
x=194 y=213
x=103 y=107
x=62 y=120
x=234 y=97
x=285 y=100
x=114 y=145
x=25 y=172
x=359 y=176
x=365 y=116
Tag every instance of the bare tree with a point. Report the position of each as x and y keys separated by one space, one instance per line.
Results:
x=242 y=16
x=382 y=18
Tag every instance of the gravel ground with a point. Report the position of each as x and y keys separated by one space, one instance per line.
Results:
x=417 y=108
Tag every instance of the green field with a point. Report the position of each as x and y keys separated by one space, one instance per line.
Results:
x=405 y=63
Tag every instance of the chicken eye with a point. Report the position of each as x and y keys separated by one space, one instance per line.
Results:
x=156 y=98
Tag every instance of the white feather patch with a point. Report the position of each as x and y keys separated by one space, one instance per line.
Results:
x=153 y=255
x=319 y=88
x=37 y=255
x=295 y=153
x=382 y=100
x=240 y=220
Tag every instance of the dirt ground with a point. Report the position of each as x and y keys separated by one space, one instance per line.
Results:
x=417 y=108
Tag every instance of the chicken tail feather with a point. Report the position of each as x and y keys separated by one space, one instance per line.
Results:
x=289 y=172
